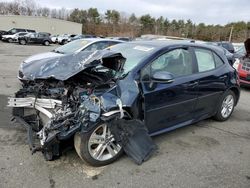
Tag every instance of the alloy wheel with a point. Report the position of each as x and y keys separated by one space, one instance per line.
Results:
x=227 y=106
x=102 y=145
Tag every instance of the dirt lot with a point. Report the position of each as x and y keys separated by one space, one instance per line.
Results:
x=207 y=154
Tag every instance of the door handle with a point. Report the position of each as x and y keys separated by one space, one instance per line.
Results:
x=223 y=77
x=193 y=84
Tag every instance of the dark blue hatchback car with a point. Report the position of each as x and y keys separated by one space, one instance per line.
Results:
x=163 y=85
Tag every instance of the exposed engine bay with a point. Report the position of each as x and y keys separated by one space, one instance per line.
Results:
x=55 y=109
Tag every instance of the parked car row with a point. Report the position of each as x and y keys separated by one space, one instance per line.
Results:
x=65 y=38
x=26 y=36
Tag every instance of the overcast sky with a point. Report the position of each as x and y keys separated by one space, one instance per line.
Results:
x=207 y=11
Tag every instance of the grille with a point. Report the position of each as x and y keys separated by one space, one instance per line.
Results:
x=246 y=66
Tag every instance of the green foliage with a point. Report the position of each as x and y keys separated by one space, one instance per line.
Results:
x=112 y=16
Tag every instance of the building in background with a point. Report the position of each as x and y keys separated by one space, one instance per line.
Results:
x=40 y=24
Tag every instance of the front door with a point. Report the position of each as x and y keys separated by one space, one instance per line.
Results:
x=169 y=104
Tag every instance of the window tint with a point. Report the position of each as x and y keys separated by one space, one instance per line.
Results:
x=33 y=35
x=31 y=31
x=97 y=46
x=71 y=47
x=111 y=43
x=178 y=62
x=205 y=60
x=41 y=35
x=13 y=31
x=22 y=34
x=20 y=30
x=218 y=61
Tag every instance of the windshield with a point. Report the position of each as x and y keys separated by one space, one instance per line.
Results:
x=71 y=47
x=134 y=53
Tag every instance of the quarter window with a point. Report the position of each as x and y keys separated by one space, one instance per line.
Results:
x=218 y=61
x=205 y=60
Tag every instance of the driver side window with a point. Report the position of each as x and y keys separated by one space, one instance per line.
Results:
x=178 y=62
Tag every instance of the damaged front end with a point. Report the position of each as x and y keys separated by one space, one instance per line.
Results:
x=58 y=101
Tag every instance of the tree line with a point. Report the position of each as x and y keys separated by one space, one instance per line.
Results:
x=115 y=23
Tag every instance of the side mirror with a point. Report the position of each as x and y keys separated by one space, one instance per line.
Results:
x=163 y=77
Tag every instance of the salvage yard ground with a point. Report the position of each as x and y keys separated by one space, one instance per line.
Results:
x=207 y=154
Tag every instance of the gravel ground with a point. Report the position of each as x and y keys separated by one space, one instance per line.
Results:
x=206 y=154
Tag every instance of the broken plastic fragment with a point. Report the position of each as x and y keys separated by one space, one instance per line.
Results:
x=134 y=138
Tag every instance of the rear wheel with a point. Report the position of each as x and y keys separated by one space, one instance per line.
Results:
x=22 y=42
x=226 y=106
x=46 y=43
x=98 y=146
x=10 y=40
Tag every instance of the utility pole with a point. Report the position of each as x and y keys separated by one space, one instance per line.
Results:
x=231 y=33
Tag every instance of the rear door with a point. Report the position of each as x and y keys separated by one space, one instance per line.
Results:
x=40 y=38
x=169 y=104
x=213 y=77
x=32 y=38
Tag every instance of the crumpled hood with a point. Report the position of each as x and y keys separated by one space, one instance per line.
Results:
x=64 y=67
x=42 y=56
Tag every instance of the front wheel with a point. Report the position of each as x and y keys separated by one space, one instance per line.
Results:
x=10 y=40
x=98 y=146
x=226 y=106
x=64 y=42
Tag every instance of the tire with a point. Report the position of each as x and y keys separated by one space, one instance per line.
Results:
x=46 y=43
x=86 y=146
x=22 y=42
x=226 y=106
x=64 y=42
x=10 y=40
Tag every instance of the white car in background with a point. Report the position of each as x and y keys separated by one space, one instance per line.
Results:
x=88 y=44
x=63 y=39
x=14 y=37
x=53 y=38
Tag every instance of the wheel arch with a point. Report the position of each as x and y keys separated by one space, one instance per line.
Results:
x=236 y=91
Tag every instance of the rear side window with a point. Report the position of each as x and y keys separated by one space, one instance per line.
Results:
x=20 y=30
x=22 y=34
x=111 y=43
x=42 y=35
x=218 y=61
x=205 y=60
x=31 y=31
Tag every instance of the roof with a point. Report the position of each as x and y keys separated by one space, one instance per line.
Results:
x=100 y=39
x=159 y=44
x=168 y=43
